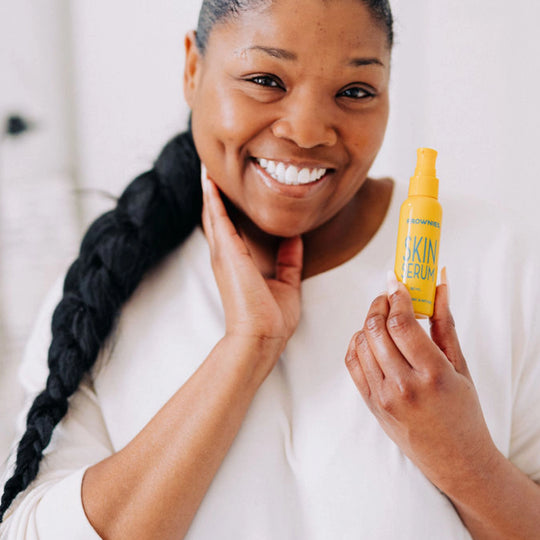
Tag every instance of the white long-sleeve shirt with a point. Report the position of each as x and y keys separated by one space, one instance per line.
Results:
x=310 y=461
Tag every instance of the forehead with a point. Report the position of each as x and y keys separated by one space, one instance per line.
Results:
x=325 y=26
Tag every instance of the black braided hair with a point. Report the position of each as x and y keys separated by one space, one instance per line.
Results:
x=156 y=212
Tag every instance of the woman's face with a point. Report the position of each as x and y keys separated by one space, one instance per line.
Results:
x=290 y=105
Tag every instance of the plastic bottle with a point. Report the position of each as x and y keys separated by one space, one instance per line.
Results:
x=419 y=232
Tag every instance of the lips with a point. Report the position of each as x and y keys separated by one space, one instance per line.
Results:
x=291 y=175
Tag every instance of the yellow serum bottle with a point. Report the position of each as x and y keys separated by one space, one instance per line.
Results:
x=419 y=234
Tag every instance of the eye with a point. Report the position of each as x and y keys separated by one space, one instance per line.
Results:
x=268 y=81
x=357 y=92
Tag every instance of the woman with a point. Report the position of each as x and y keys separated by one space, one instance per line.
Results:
x=219 y=406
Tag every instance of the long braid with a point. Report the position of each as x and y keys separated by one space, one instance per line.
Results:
x=156 y=212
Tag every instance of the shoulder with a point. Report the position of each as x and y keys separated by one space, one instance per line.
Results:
x=168 y=295
x=33 y=369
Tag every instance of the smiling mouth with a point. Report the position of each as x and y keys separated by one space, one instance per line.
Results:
x=291 y=175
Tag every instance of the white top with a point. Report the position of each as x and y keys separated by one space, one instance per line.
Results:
x=310 y=461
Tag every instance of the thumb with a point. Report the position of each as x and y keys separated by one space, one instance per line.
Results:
x=289 y=261
x=443 y=329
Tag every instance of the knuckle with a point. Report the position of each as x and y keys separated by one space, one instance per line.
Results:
x=352 y=342
x=358 y=340
x=387 y=403
x=399 y=322
x=405 y=391
x=376 y=324
x=380 y=303
x=446 y=327
x=397 y=395
x=351 y=360
x=361 y=344
x=449 y=319
x=351 y=356
x=434 y=379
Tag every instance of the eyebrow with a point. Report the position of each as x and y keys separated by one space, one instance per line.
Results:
x=283 y=54
x=358 y=62
x=272 y=51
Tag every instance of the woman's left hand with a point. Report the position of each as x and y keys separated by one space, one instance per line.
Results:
x=420 y=389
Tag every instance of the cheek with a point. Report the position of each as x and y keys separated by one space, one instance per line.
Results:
x=382 y=123
x=368 y=135
x=223 y=124
x=228 y=117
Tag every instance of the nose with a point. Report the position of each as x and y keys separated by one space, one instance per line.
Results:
x=307 y=122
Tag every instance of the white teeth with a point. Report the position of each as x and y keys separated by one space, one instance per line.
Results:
x=290 y=175
x=280 y=173
x=304 y=176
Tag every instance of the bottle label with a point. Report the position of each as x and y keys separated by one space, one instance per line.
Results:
x=417 y=253
x=420 y=221
x=419 y=260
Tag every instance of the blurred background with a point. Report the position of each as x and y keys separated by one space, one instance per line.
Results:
x=91 y=90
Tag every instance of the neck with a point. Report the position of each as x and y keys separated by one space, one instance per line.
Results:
x=334 y=242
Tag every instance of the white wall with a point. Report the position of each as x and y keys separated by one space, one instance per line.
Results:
x=464 y=81
x=129 y=61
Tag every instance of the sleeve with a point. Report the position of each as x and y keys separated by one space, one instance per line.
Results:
x=51 y=507
x=525 y=435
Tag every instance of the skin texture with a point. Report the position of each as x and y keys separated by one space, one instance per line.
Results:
x=250 y=103
x=421 y=392
x=272 y=309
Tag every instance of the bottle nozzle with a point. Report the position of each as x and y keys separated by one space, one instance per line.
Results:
x=425 y=182
x=425 y=165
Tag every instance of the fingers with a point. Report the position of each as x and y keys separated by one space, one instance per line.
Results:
x=207 y=224
x=289 y=261
x=254 y=305
x=364 y=369
x=217 y=225
x=389 y=357
x=443 y=330
x=219 y=228
x=355 y=369
x=216 y=212
x=405 y=331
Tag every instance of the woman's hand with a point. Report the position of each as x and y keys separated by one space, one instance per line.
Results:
x=255 y=307
x=420 y=389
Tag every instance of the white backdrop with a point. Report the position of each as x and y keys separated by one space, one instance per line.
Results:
x=103 y=82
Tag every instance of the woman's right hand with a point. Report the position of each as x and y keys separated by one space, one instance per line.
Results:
x=255 y=307
x=179 y=451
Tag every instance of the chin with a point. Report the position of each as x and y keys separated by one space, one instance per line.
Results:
x=272 y=221
x=282 y=228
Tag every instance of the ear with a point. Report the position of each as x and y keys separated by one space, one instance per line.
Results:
x=192 y=68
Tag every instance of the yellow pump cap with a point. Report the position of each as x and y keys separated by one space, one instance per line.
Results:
x=425 y=182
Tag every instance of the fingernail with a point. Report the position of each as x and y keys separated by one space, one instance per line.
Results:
x=444 y=281
x=204 y=177
x=391 y=282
